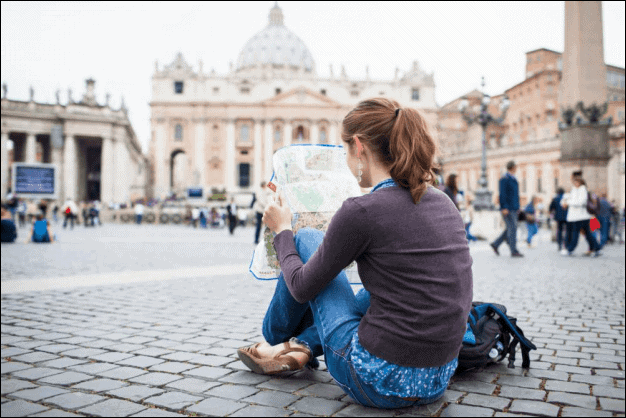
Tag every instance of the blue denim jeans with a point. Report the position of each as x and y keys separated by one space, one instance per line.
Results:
x=326 y=324
x=532 y=231
x=510 y=234
x=591 y=240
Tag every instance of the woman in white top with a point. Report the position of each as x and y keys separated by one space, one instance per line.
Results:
x=577 y=216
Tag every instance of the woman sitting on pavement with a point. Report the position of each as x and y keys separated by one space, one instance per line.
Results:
x=41 y=232
x=395 y=343
x=9 y=231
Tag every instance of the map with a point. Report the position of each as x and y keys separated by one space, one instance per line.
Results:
x=316 y=181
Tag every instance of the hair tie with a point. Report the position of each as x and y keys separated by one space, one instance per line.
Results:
x=397 y=111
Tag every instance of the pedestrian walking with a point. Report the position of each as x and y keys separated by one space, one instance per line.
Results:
x=578 y=216
x=195 y=216
x=232 y=216
x=452 y=190
x=467 y=211
x=259 y=205
x=560 y=217
x=203 y=217
x=21 y=213
x=604 y=216
x=69 y=211
x=509 y=208
x=385 y=351
x=139 y=212
x=531 y=220
x=55 y=213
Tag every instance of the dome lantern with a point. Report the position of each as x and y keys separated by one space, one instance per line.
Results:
x=276 y=15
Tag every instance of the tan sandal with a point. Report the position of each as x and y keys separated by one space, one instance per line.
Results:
x=255 y=362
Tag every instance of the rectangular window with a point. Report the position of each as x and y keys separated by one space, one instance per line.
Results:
x=415 y=95
x=549 y=78
x=216 y=90
x=278 y=91
x=539 y=185
x=524 y=185
x=354 y=93
x=323 y=92
x=556 y=183
x=245 y=90
x=244 y=175
x=178 y=87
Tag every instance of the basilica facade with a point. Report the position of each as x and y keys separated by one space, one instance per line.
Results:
x=219 y=131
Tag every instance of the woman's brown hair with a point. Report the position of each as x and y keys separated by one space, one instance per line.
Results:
x=451 y=183
x=400 y=139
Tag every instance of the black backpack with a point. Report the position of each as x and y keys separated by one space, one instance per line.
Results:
x=491 y=335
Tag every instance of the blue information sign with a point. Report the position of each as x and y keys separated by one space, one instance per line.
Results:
x=34 y=180
x=194 y=193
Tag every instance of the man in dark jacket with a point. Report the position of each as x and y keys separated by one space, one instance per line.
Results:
x=509 y=207
x=560 y=216
x=604 y=216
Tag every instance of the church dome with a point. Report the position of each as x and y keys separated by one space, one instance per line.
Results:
x=275 y=45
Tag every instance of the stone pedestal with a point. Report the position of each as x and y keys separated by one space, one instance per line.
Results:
x=585 y=148
x=487 y=224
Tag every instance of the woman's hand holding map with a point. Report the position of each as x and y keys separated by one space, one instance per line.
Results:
x=277 y=215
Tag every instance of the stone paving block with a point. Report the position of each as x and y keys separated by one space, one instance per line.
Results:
x=65 y=378
x=234 y=392
x=203 y=340
x=172 y=367
x=362 y=411
x=13 y=351
x=190 y=384
x=157 y=413
x=13 y=366
x=472 y=386
x=521 y=381
x=57 y=348
x=322 y=390
x=549 y=374
x=533 y=408
x=598 y=364
x=216 y=407
x=63 y=363
x=572 y=369
x=608 y=392
x=113 y=408
x=614 y=405
x=260 y=411
x=115 y=336
x=20 y=408
x=486 y=401
x=122 y=373
x=156 y=379
x=163 y=343
x=317 y=406
x=135 y=393
x=83 y=352
x=125 y=347
x=572 y=411
x=75 y=340
x=179 y=356
x=30 y=344
x=36 y=373
x=618 y=374
x=152 y=352
x=272 y=398
x=218 y=351
x=207 y=372
x=246 y=378
x=55 y=413
x=98 y=343
x=52 y=336
x=173 y=400
x=211 y=360
x=74 y=400
x=592 y=380
x=456 y=410
x=141 y=361
x=37 y=394
x=567 y=387
x=13 y=385
x=521 y=393
x=112 y=357
x=100 y=385
x=35 y=357
x=93 y=368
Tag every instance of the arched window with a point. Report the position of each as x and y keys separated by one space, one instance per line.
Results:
x=245 y=133
x=322 y=136
x=178 y=132
x=277 y=134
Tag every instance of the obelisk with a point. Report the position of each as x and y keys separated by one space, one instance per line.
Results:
x=584 y=138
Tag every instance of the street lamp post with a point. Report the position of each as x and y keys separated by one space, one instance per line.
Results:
x=482 y=198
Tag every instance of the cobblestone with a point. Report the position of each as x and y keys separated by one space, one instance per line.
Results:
x=181 y=335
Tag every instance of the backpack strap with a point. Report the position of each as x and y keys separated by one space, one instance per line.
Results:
x=513 y=328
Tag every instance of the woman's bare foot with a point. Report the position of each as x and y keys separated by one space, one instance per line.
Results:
x=266 y=350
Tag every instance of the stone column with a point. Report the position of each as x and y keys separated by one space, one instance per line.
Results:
x=4 y=165
x=332 y=139
x=31 y=148
x=531 y=182
x=161 y=162
x=258 y=151
x=547 y=182
x=229 y=174
x=269 y=149
x=288 y=133
x=315 y=133
x=107 y=168
x=122 y=171
x=198 y=171
x=57 y=159
x=70 y=169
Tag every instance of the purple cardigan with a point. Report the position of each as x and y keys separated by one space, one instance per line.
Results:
x=412 y=258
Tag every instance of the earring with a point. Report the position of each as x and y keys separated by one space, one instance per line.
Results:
x=360 y=168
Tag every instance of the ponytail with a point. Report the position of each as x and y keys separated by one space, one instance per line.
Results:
x=400 y=139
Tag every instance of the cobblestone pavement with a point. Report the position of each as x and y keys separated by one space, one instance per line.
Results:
x=167 y=347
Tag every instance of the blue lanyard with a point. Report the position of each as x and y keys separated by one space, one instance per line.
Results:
x=384 y=184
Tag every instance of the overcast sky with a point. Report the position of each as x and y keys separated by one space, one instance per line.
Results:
x=57 y=45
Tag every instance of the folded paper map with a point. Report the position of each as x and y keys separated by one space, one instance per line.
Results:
x=315 y=180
